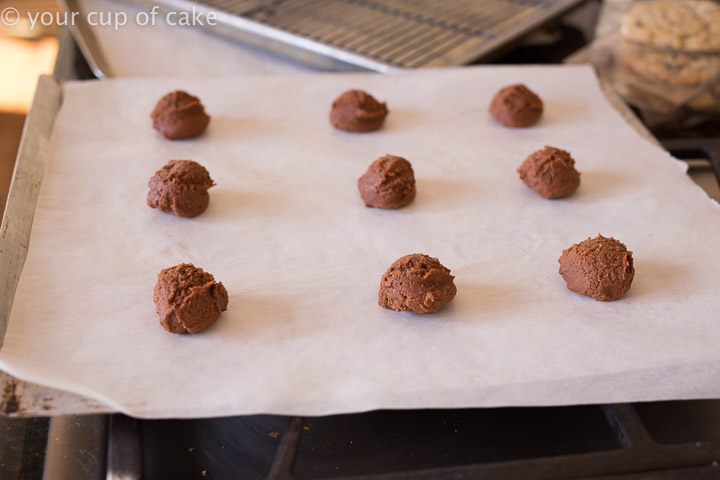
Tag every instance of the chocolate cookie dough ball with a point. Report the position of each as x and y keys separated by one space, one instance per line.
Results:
x=601 y=268
x=357 y=111
x=388 y=183
x=187 y=299
x=418 y=283
x=550 y=172
x=179 y=115
x=180 y=188
x=516 y=106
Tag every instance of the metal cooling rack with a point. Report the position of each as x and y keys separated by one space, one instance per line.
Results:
x=375 y=34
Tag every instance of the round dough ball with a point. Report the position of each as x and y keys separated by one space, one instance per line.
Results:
x=601 y=268
x=516 y=106
x=550 y=172
x=179 y=115
x=357 y=111
x=181 y=188
x=388 y=183
x=187 y=299
x=418 y=283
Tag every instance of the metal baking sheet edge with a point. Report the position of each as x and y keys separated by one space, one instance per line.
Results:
x=18 y=398
x=87 y=42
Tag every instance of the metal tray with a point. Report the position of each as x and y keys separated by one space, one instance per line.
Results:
x=25 y=399
x=377 y=35
x=21 y=398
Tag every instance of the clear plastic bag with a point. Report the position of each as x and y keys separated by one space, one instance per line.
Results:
x=667 y=85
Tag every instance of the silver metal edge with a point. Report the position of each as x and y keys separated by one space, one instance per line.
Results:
x=67 y=54
x=268 y=38
x=24 y=188
x=77 y=448
x=87 y=42
x=124 y=449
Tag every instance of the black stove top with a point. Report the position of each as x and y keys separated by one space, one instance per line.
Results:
x=639 y=441
x=656 y=440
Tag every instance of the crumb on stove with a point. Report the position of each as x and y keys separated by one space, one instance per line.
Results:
x=274 y=434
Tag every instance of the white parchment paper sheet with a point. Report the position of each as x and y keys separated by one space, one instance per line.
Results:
x=301 y=257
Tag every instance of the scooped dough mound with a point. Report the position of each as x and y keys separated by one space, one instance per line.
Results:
x=187 y=299
x=179 y=115
x=180 y=187
x=388 y=183
x=601 y=268
x=418 y=283
x=516 y=106
x=357 y=111
x=550 y=172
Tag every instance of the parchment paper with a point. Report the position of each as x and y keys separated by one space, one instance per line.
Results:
x=302 y=257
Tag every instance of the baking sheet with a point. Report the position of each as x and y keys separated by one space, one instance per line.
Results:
x=301 y=257
x=149 y=51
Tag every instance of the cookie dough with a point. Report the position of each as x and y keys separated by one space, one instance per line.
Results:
x=692 y=25
x=181 y=188
x=187 y=299
x=516 y=106
x=418 y=283
x=357 y=111
x=388 y=183
x=550 y=172
x=601 y=268
x=179 y=115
